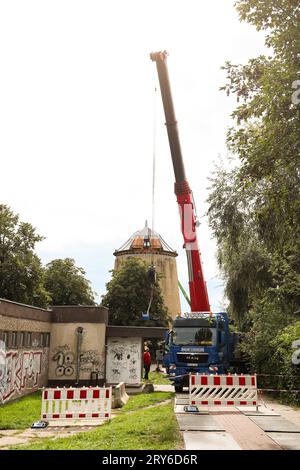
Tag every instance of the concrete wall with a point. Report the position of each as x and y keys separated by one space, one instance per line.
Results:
x=24 y=349
x=39 y=347
x=71 y=362
x=166 y=265
x=64 y=362
x=124 y=360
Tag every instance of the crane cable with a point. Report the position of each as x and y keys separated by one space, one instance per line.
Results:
x=154 y=158
x=151 y=271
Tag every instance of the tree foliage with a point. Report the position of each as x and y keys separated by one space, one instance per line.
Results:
x=128 y=296
x=254 y=208
x=66 y=283
x=21 y=271
x=22 y=276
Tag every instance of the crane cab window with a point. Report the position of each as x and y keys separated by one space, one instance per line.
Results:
x=196 y=336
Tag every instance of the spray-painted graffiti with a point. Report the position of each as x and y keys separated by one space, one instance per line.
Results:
x=124 y=360
x=65 y=361
x=20 y=370
x=116 y=373
x=92 y=361
x=2 y=368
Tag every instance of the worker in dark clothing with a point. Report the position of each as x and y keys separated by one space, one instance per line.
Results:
x=147 y=362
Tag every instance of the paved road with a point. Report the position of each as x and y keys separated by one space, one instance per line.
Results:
x=238 y=428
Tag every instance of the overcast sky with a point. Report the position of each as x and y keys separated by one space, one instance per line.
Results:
x=76 y=120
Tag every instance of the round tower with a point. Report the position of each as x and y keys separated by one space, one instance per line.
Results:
x=151 y=248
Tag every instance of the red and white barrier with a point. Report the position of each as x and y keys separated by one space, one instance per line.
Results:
x=76 y=403
x=223 y=390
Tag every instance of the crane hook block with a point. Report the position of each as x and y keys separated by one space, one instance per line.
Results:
x=152 y=274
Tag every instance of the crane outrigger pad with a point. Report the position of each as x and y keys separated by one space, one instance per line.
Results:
x=198 y=423
x=275 y=424
x=286 y=440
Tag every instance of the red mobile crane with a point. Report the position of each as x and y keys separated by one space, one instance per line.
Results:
x=199 y=342
x=197 y=285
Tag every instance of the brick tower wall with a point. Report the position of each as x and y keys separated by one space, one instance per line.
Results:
x=166 y=265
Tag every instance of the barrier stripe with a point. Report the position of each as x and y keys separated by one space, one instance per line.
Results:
x=217 y=381
x=229 y=381
x=74 y=415
x=74 y=394
x=223 y=390
x=76 y=403
x=234 y=380
x=224 y=403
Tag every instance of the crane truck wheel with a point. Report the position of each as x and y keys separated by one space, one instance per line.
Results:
x=178 y=388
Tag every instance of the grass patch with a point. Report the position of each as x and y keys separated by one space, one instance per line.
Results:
x=158 y=378
x=20 y=414
x=142 y=400
x=151 y=429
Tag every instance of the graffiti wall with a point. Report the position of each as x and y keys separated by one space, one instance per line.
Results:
x=64 y=350
x=21 y=372
x=92 y=361
x=124 y=360
x=2 y=368
x=64 y=360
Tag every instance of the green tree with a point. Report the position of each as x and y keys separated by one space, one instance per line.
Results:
x=66 y=283
x=286 y=359
x=128 y=296
x=254 y=209
x=257 y=205
x=21 y=271
x=243 y=259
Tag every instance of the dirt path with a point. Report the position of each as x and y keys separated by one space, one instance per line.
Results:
x=122 y=413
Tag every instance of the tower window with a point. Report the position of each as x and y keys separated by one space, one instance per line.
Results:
x=14 y=339
x=22 y=339
x=29 y=339
x=5 y=338
x=147 y=242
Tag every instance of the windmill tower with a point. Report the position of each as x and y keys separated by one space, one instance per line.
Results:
x=150 y=247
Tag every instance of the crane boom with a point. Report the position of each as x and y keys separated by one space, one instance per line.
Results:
x=197 y=285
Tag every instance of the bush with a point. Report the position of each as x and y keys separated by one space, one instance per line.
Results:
x=283 y=352
x=267 y=319
x=268 y=348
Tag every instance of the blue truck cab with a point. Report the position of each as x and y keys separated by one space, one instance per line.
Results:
x=197 y=343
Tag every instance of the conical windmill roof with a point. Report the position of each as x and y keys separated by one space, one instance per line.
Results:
x=145 y=241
